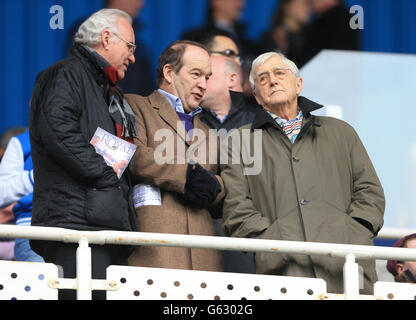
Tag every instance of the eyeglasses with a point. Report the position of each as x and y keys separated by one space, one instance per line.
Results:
x=228 y=53
x=280 y=73
x=130 y=46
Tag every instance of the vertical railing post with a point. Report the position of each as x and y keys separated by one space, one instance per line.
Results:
x=84 y=291
x=351 y=278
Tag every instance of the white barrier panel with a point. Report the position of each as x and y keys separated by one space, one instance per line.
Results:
x=10 y=288
x=27 y=281
x=137 y=283
x=395 y=290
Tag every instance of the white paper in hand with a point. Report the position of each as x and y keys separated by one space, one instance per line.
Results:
x=146 y=195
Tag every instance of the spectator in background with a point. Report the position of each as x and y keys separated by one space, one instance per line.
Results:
x=138 y=79
x=186 y=184
x=404 y=271
x=6 y=213
x=16 y=185
x=224 y=107
x=7 y=135
x=286 y=34
x=7 y=244
x=223 y=104
x=75 y=188
x=329 y=29
x=224 y=15
x=221 y=42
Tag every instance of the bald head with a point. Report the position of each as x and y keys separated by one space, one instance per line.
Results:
x=226 y=75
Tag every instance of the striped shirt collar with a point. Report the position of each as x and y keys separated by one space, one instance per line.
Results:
x=281 y=122
x=290 y=127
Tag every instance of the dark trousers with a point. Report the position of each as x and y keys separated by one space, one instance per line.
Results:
x=64 y=255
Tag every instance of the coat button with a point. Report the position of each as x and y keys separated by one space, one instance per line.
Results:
x=295 y=159
x=303 y=202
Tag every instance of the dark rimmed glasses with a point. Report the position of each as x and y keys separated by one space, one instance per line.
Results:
x=229 y=53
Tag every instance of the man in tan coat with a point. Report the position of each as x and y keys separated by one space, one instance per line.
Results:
x=176 y=161
x=316 y=183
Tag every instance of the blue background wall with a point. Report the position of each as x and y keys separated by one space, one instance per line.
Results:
x=28 y=44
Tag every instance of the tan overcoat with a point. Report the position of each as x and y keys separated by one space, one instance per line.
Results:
x=161 y=160
x=312 y=190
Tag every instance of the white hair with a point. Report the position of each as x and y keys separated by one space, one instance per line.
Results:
x=261 y=59
x=90 y=30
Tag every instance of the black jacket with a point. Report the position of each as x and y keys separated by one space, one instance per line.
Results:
x=139 y=77
x=329 y=30
x=74 y=187
x=240 y=114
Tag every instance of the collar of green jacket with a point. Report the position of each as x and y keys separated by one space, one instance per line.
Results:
x=263 y=118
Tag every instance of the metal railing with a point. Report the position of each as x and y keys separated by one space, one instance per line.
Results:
x=83 y=280
x=394 y=233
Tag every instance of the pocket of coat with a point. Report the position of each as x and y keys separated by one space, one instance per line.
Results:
x=365 y=231
x=107 y=208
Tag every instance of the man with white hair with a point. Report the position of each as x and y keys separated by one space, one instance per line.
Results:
x=74 y=187
x=317 y=183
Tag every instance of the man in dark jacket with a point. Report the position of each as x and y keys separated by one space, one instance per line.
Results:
x=75 y=188
x=223 y=104
x=224 y=109
x=139 y=77
x=329 y=29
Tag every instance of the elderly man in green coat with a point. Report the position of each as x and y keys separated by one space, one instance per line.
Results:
x=316 y=181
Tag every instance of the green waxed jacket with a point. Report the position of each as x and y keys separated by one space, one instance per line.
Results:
x=321 y=188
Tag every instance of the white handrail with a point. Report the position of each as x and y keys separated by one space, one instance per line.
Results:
x=84 y=238
x=394 y=233
x=207 y=242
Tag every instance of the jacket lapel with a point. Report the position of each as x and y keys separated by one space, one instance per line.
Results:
x=168 y=114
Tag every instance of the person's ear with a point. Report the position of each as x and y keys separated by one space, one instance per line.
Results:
x=168 y=73
x=232 y=80
x=258 y=99
x=105 y=39
x=299 y=85
x=399 y=268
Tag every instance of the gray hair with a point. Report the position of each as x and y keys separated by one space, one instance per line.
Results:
x=261 y=59
x=90 y=30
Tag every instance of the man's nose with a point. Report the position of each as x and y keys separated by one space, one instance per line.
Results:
x=274 y=79
x=132 y=58
x=203 y=83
